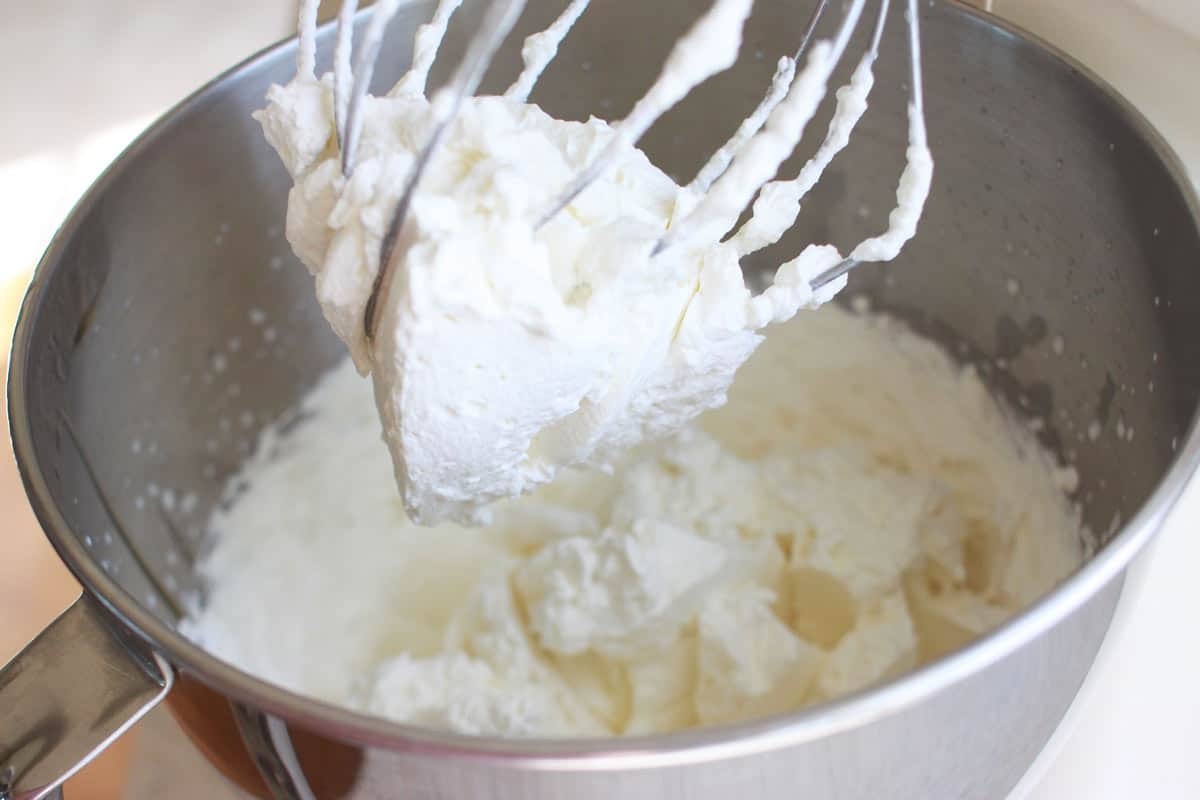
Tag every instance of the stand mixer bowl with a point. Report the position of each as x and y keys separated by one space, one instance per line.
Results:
x=168 y=324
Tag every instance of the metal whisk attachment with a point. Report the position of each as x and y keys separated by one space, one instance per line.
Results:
x=738 y=171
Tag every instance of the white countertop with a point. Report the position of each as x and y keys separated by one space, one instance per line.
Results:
x=1133 y=730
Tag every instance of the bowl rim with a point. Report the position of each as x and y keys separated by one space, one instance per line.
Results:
x=638 y=752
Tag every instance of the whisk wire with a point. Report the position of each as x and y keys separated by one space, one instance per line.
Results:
x=763 y=154
x=764 y=227
x=499 y=19
x=541 y=48
x=902 y=223
x=681 y=73
x=425 y=49
x=364 y=71
x=306 y=50
x=343 y=73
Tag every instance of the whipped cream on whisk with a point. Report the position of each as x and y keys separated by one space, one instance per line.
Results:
x=505 y=351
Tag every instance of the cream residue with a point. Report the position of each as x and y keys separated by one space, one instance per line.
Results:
x=506 y=351
x=778 y=203
x=541 y=48
x=426 y=42
x=859 y=506
x=785 y=73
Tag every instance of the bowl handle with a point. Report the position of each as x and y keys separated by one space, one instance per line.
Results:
x=72 y=691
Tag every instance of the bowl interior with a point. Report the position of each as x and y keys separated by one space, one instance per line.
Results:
x=170 y=323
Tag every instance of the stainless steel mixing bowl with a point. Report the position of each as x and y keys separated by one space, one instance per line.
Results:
x=168 y=323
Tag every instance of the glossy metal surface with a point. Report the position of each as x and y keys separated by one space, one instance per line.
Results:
x=168 y=323
x=73 y=690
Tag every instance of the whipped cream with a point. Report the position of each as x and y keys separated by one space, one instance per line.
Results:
x=506 y=351
x=860 y=506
